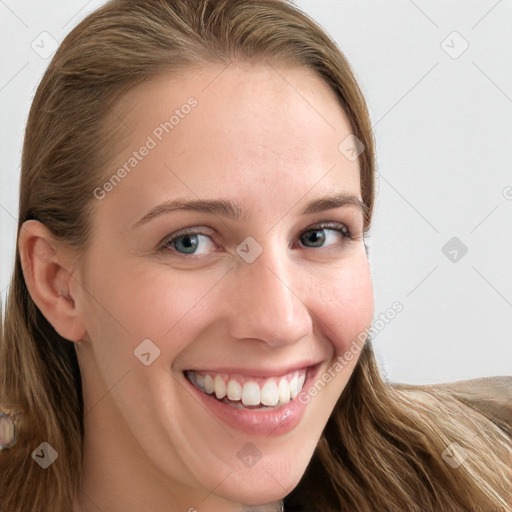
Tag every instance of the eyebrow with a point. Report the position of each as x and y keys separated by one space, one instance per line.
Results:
x=231 y=209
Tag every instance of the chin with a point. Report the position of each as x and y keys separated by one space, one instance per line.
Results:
x=259 y=486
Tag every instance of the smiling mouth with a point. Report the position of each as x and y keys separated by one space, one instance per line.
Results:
x=246 y=392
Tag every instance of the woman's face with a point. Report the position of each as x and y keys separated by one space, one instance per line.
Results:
x=262 y=290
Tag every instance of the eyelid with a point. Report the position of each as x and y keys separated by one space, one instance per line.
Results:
x=194 y=230
x=328 y=225
x=340 y=227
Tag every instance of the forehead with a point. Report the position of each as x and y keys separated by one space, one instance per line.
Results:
x=237 y=129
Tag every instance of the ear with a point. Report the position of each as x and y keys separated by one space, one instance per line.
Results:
x=46 y=265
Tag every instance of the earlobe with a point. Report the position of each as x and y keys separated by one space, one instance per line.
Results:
x=45 y=269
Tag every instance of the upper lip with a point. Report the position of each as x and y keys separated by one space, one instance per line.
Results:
x=257 y=372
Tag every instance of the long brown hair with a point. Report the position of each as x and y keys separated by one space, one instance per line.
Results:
x=382 y=447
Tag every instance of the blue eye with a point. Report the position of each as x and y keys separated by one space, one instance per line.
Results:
x=324 y=235
x=188 y=243
x=193 y=243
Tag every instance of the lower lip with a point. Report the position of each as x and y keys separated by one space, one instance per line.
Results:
x=270 y=422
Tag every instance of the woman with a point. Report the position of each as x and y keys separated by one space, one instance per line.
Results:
x=187 y=326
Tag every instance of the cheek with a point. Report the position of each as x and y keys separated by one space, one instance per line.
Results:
x=129 y=303
x=345 y=312
x=346 y=306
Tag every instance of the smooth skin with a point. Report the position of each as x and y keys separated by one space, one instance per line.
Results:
x=267 y=138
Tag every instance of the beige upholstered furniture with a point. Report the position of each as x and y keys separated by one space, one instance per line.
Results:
x=492 y=396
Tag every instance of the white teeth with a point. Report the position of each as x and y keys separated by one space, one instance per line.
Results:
x=209 y=386
x=294 y=387
x=193 y=377
x=283 y=391
x=220 y=387
x=251 y=394
x=199 y=380
x=234 y=390
x=269 y=393
x=274 y=391
x=300 y=382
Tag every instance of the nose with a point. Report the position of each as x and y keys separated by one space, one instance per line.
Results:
x=267 y=303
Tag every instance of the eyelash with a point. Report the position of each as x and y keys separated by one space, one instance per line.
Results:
x=334 y=226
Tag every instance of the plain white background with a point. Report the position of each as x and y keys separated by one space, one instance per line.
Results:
x=437 y=77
